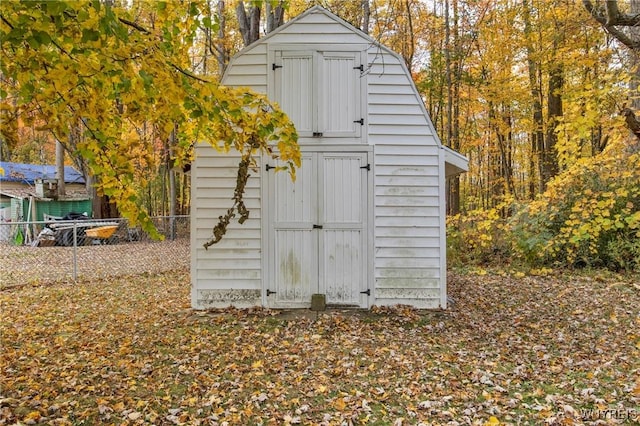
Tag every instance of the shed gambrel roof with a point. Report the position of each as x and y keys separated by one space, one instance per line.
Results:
x=455 y=163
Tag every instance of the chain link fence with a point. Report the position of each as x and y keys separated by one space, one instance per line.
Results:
x=80 y=248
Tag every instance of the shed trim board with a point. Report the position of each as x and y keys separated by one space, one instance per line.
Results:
x=364 y=223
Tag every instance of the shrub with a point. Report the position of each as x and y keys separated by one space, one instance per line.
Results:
x=478 y=237
x=588 y=216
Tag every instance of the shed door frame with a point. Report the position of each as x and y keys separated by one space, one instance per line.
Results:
x=367 y=217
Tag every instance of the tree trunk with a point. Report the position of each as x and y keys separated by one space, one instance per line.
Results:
x=172 y=186
x=624 y=27
x=537 y=135
x=453 y=186
x=222 y=51
x=366 y=16
x=275 y=16
x=410 y=49
x=634 y=58
x=554 y=113
x=504 y=144
x=249 y=25
x=60 y=167
x=452 y=81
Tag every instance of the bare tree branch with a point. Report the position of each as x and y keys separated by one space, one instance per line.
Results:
x=610 y=18
x=134 y=25
x=612 y=11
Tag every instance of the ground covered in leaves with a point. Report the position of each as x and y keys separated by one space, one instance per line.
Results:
x=556 y=349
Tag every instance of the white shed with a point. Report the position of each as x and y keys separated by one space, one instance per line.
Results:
x=364 y=222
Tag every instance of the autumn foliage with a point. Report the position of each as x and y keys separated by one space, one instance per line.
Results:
x=588 y=216
x=110 y=72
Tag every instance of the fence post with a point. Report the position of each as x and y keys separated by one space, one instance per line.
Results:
x=75 y=251
x=172 y=228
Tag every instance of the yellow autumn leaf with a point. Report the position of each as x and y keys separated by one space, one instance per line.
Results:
x=339 y=404
x=493 y=421
x=33 y=415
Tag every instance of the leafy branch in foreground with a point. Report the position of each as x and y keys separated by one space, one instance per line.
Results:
x=221 y=228
x=115 y=69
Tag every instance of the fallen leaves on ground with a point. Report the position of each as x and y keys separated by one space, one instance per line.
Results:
x=556 y=349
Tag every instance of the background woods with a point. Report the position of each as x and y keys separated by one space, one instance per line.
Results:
x=540 y=95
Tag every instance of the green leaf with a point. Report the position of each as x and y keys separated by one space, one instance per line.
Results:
x=42 y=37
x=193 y=9
x=90 y=35
x=146 y=78
x=55 y=7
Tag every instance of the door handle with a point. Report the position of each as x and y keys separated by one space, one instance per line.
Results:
x=317 y=226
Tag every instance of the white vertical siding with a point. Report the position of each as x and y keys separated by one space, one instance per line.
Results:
x=293 y=253
x=296 y=71
x=339 y=94
x=343 y=217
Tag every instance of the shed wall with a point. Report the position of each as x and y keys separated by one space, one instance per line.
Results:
x=229 y=271
x=407 y=185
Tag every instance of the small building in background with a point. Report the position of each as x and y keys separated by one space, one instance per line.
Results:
x=364 y=222
x=29 y=191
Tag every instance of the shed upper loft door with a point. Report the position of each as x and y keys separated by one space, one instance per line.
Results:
x=295 y=91
x=321 y=92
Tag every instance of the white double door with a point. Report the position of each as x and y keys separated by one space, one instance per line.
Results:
x=317 y=232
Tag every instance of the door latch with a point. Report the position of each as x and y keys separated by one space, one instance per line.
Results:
x=269 y=292
x=367 y=292
x=317 y=226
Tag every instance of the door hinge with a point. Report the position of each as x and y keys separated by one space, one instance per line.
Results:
x=367 y=292
x=268 y=167
x=361 y=121
x=368 y=167
x=269 y=292
x=317 y=226
x=317 y=134
x=359 y=67
x=274 y=66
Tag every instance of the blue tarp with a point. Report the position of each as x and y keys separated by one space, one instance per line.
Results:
x=28 y=173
